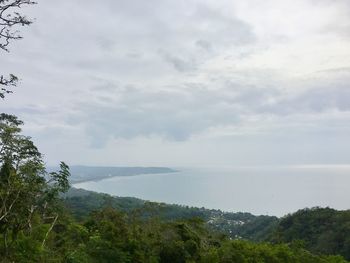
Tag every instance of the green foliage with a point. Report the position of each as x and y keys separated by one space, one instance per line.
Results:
x=109 y=235
x=320 y=230
x=28 y=195
x=173 y=234
x=235 y=225
x=81 y=202
x=243 y=251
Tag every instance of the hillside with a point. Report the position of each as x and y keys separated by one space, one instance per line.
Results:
x=235 y=225
x=320 y=230
x=109 y=235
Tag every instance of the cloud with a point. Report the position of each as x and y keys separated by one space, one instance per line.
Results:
x=132 y=112
x=179 y=64
x=178 y=72
x=169 y=114
x=204 y=44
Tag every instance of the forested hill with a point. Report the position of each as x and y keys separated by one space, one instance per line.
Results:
x=320 y=230
x=236 y=225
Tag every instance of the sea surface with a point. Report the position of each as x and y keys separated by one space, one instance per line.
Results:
x=258 y=190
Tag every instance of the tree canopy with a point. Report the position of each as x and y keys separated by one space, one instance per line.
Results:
x=28 y=194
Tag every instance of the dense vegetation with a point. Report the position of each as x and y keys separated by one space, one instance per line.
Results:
x=29 y=195
x=320 y=230
x=111 y=236
x=235 y=225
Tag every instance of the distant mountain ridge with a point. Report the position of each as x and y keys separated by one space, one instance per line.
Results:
x=81 y=173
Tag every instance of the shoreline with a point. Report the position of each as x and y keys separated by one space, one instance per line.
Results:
x=101 y=178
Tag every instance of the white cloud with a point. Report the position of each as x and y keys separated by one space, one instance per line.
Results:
x=161 y=76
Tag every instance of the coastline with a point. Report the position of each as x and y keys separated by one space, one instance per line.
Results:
x=78 y=179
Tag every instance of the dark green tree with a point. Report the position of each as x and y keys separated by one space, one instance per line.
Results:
x=28 y=194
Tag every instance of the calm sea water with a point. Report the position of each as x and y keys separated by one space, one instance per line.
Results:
x=259 y=190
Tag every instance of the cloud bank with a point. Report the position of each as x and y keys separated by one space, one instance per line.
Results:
x=169 y=82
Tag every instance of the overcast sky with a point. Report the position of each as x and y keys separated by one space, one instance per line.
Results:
x=185 y=83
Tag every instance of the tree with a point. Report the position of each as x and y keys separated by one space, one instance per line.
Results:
x=10 y=21
x=28 y=194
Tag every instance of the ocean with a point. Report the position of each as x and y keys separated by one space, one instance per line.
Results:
x=264 y=190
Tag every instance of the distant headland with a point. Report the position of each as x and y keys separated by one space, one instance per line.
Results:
x=80 y=173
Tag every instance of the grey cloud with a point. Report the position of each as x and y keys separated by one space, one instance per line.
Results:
x=77 y=58
x=315 y=100
x=341 y=25
x=327 y=98
x=129 y=111
x=323 y=91
x=345 y=70
x=173 y=115
x=204 y=44
x=251 y=97
x=221 y=29
x=178 y=63
x=110 y=36
x=134 y=55
x=106 y=44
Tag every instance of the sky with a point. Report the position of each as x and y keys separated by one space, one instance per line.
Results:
x=184 y=83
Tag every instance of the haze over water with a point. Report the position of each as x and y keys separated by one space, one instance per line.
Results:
x=259 y=190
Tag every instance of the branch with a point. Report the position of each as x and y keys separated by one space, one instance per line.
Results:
x=11 y=82
x=48 y=231
x=8 y=210
x=9 y=18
